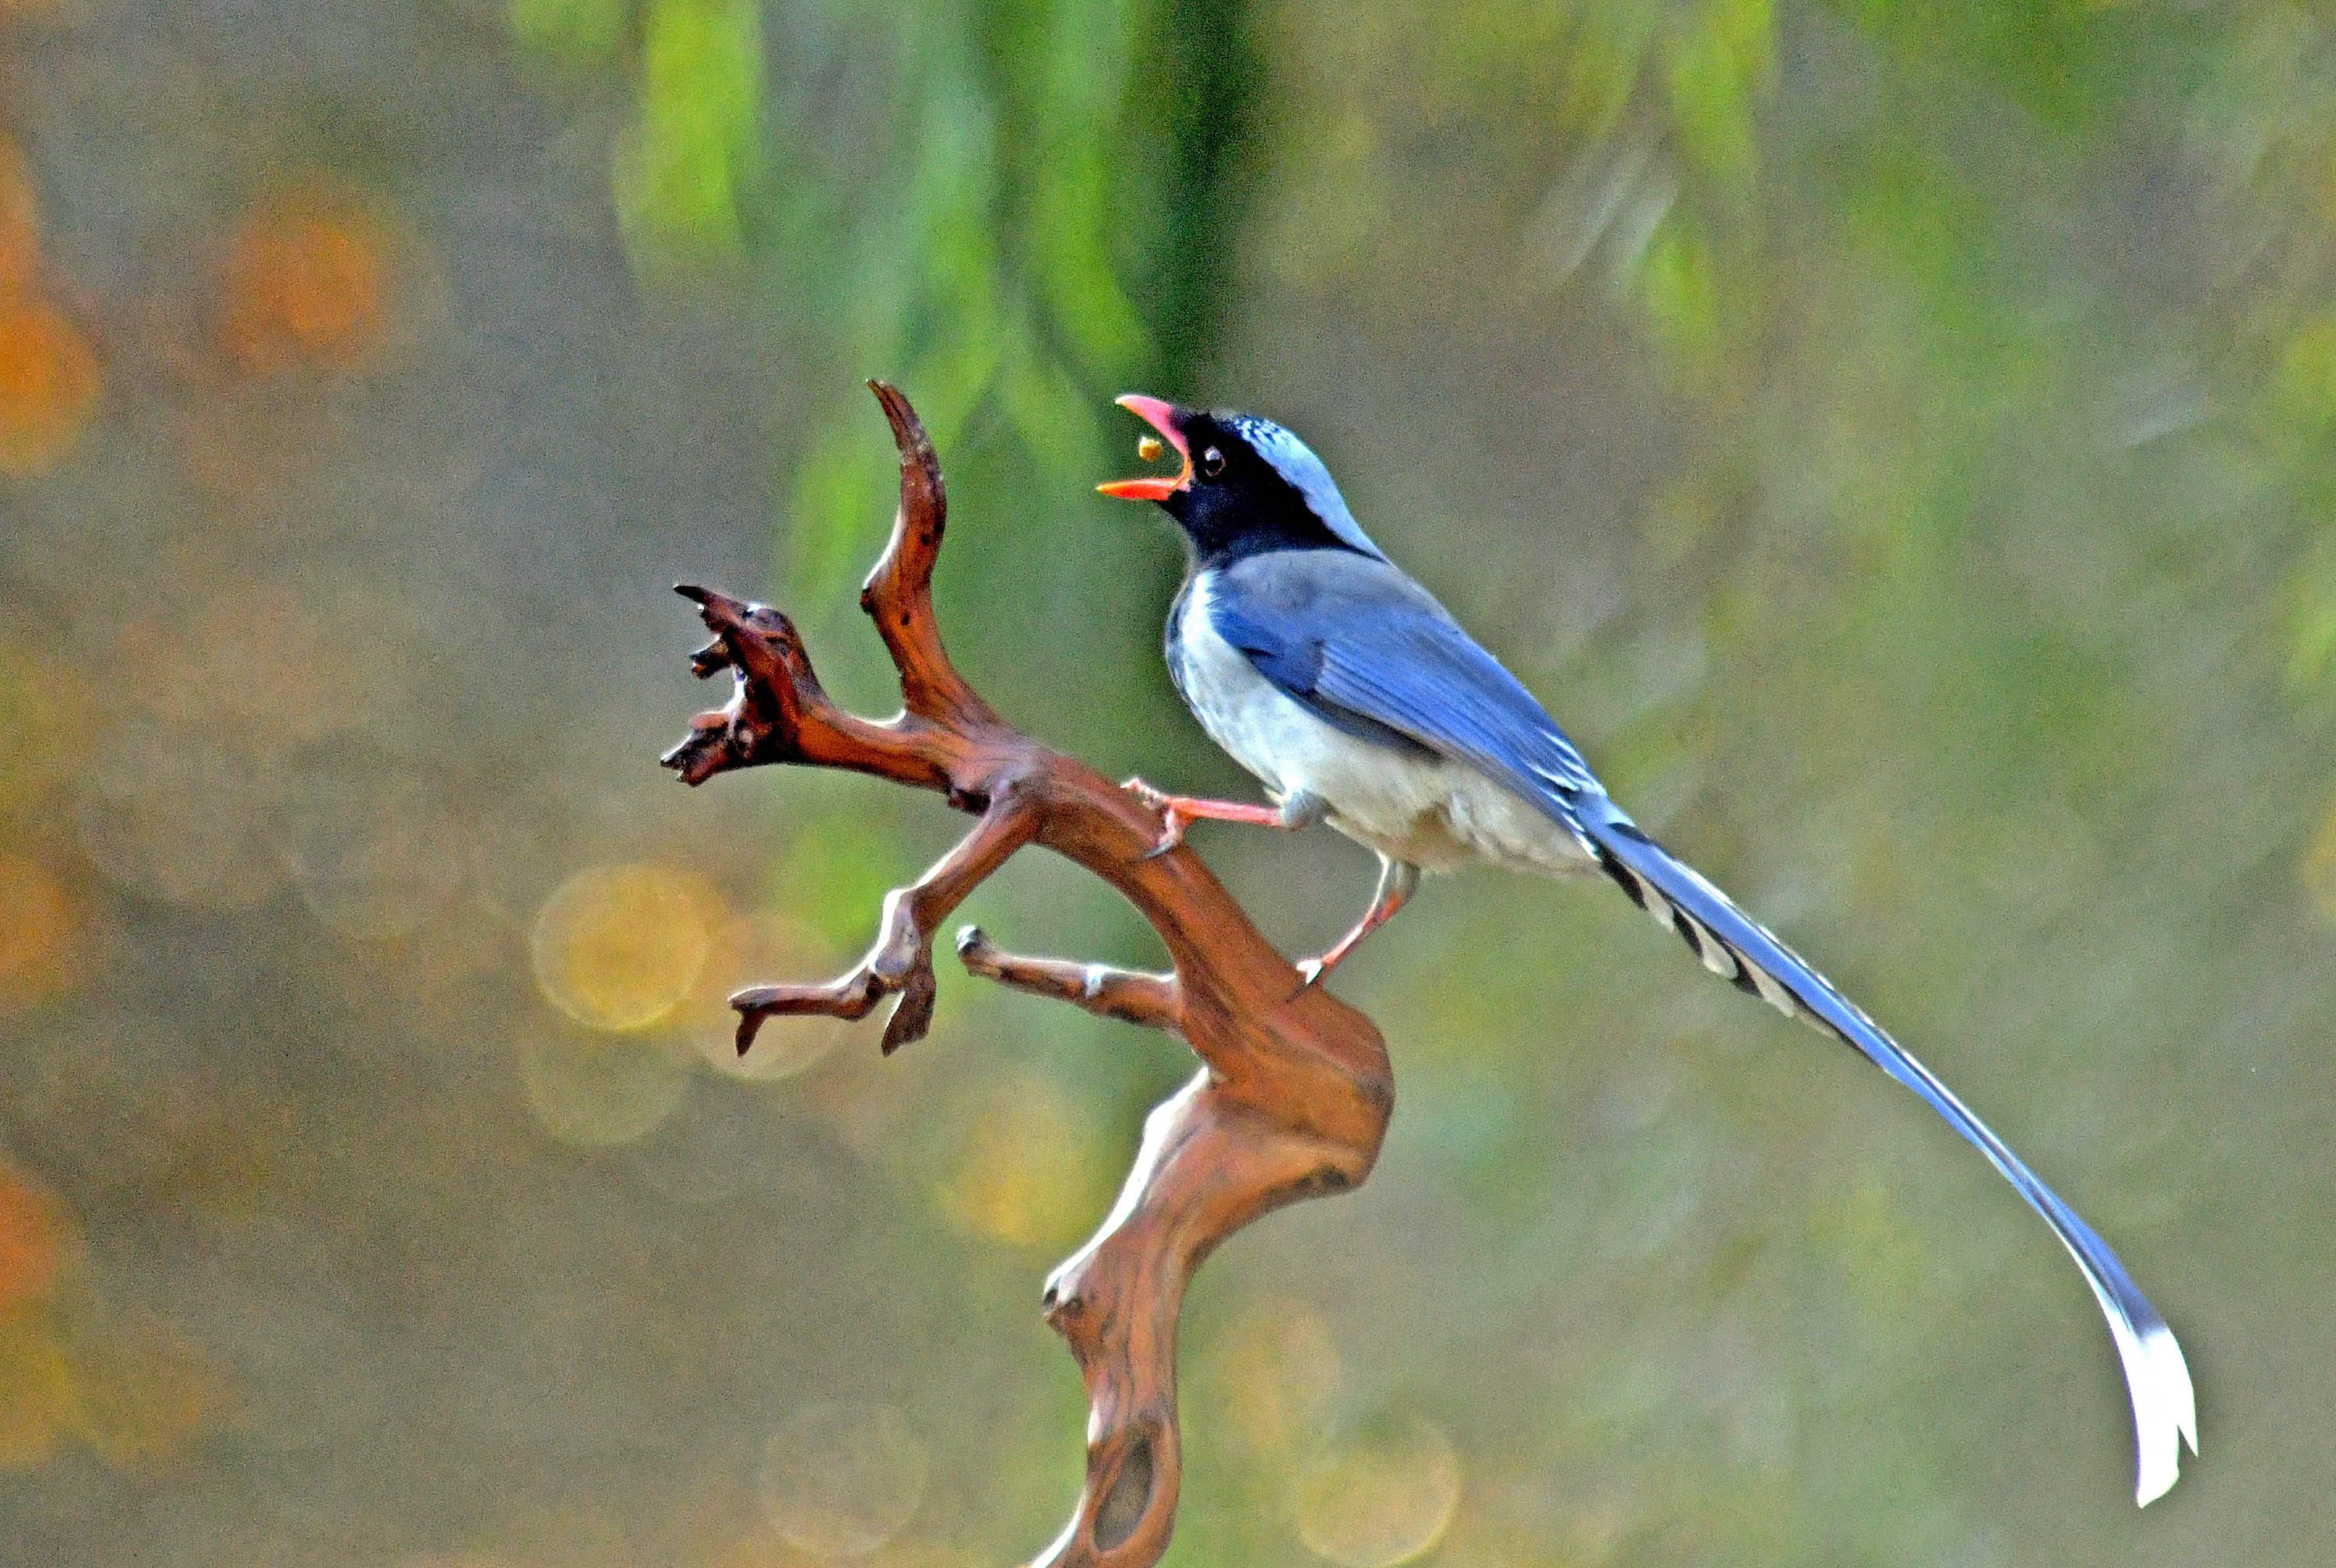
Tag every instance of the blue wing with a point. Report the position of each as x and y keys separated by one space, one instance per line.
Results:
x=1369 y=650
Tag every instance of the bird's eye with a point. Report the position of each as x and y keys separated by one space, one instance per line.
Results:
x=1212 y=463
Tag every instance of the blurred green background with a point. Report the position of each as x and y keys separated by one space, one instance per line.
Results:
x=1894 y=436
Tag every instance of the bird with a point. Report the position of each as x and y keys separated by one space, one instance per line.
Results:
x=1358 y=701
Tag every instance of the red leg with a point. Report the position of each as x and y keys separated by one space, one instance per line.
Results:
x=1397 y=879
x=1301 y=810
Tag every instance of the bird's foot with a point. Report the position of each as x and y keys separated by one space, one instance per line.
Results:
x=1170 y=809
x=1180 y=812
x=1397 y=881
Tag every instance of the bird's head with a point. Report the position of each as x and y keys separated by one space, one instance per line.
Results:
x=1246 y=486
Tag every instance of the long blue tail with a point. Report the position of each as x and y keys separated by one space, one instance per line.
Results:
x=1740 y=950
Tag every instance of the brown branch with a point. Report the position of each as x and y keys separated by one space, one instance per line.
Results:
x=900 y=592
x=1154 y=1001
x=902 y=961
x=1293 y=1093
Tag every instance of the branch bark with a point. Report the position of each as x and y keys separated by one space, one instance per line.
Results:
x=1294 y=1089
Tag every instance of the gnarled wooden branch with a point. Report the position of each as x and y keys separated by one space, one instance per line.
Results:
x=1293 y=1092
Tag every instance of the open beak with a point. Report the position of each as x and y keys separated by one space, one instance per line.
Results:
x=1161 y=415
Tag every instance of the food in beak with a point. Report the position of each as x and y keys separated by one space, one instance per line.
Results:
x=1161 y=415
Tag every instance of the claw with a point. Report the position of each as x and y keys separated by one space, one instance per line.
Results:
x=1164 y=804
x=1172 y=836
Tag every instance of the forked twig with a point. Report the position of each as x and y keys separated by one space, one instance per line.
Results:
x=1293 y=1093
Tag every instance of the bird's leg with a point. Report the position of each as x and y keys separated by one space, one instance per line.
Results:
x=1397 y=880
x=1302 y=809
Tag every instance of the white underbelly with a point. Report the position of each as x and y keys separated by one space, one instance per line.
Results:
x=1408 y=805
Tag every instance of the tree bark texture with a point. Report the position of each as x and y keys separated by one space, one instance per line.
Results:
x=1294 y=1088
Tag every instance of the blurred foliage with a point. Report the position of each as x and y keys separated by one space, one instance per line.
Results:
x=942 y=196
x=49 y=378
x=1895 y=437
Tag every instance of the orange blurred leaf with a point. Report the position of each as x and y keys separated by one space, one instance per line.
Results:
x=48 y=384
x=303 y=286
x=29 y=1236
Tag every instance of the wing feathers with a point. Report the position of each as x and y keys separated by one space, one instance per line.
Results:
x=1373 y=653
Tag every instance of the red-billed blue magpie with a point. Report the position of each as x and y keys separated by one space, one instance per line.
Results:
x=1357 y=700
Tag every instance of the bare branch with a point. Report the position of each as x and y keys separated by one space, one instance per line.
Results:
x=1154 y=1001
x=901 y=962
x=898 y=593
x=1294 y=1092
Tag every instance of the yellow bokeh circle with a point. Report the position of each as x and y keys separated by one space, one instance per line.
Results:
x=840 y=1480
x=1029 y=1173
x=1276 y=1373
x=593 y=1093
x=619 y=946
x=1381 y=1501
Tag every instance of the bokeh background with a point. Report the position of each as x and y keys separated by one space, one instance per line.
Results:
x=1895 y=437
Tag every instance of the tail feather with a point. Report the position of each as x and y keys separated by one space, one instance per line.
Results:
x=1738 y=948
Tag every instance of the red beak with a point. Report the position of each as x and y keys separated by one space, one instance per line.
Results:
x=1161 y=415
